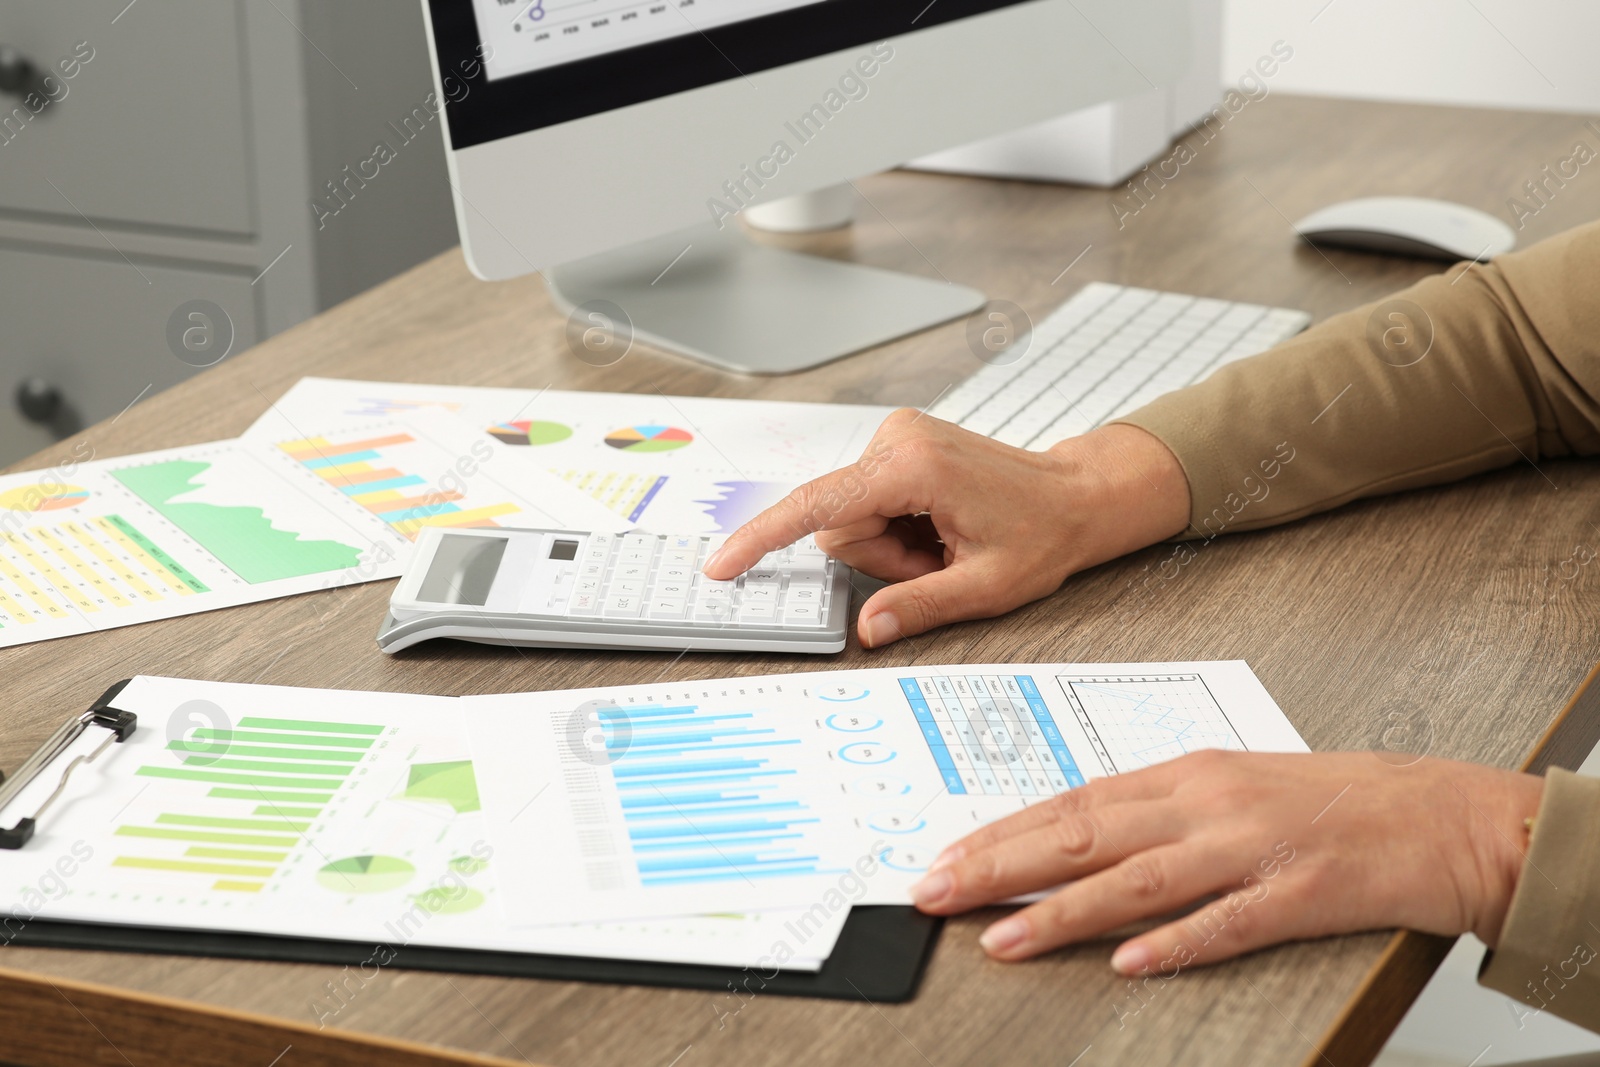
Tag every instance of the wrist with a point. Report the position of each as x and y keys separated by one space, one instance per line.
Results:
x=1504 y=825
x=1131 y=475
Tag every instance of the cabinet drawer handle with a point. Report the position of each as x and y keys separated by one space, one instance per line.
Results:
x=43 y=403
x=19 y=76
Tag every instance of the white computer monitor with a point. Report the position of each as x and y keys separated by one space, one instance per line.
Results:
x=613 y=144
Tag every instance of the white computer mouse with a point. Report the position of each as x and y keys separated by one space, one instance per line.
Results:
x=1409 y=226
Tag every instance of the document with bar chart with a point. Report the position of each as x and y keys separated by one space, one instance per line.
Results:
x=669 y=464
x=310 y=813
x=114 y=542
x=779 y=787
x=659 y=800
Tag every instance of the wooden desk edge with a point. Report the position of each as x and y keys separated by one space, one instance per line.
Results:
x=1410 y=959
x=181 y=1033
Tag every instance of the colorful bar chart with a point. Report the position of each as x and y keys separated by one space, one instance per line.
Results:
x=258 y=788
x=708 y=796
x=369 y=472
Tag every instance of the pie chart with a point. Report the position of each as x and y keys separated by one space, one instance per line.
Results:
x=365 y=874
x=649 y=438
x=530 y=432
x=43 y=497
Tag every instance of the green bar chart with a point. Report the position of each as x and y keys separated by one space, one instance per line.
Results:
x=258 y=789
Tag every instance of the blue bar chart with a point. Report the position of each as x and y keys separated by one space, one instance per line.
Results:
x=711 y=795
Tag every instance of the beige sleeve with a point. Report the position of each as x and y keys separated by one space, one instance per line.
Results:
x=1476 y=368
x=1546 y=958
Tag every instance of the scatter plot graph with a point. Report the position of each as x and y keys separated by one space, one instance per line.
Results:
x=1134 y=721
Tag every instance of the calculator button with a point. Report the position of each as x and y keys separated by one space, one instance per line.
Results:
x=627 y=588
x=673 y=557
x=668 y=608
x=713 y=611
x=584 y=604
x=633 y=555
x=622 y=607
x=592 y=569
x=762 y=574
x=586 y=585
x=707 y=588
x=673 y=590
x=759 y=594
x=633 y=572
x=758 y=611
x=801 y=614
x=804 y=595
x=638 y=540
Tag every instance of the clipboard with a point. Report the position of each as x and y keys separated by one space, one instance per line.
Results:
x=880 y=956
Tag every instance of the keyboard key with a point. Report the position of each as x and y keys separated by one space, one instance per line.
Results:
x=759 y=594
x=713 y=611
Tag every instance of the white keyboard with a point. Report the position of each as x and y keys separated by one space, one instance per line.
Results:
x=1108 y=350
x=563 y=588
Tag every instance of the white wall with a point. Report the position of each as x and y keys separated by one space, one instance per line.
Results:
x=1533 y=54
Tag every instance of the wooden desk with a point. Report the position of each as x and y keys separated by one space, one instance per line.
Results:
x=1433 y=608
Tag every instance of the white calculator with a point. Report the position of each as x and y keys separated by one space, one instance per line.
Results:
x=560 y=588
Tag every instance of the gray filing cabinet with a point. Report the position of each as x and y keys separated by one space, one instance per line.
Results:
x=159 y=189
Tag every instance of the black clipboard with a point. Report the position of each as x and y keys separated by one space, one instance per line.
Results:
x=880 y=956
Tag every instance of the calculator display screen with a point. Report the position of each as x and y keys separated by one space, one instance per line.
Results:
x=463 y=570
x=564 y=550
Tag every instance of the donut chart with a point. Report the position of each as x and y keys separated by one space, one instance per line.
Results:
x=649 y=438
x=530 y=432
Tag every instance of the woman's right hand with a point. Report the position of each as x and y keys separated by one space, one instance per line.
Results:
x=967 y=527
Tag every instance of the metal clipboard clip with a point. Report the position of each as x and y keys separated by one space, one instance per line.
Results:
x=120 y=725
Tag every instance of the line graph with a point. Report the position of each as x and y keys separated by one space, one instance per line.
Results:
x=1134 y=721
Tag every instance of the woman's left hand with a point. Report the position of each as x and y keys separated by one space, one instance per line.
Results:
x=1296 y=846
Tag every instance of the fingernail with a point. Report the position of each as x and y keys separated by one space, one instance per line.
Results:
x=711 y=560
x=881 y=629
x=932 y=889
x=1130 y=959
x=946 y=858
x=1007 y=933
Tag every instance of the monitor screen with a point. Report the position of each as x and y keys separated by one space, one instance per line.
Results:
x=511 y=66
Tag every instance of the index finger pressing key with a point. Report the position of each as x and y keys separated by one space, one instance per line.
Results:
x=837 y=499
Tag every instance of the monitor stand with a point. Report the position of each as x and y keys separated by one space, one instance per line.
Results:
x=715 y=295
